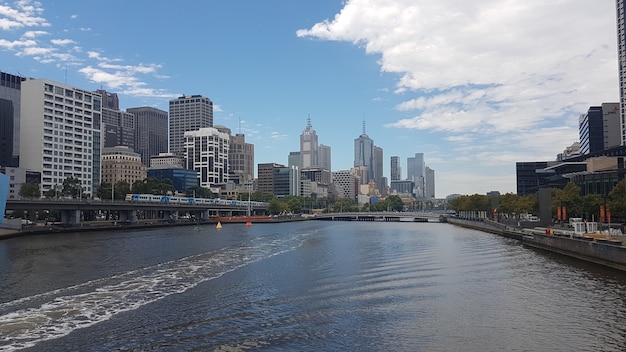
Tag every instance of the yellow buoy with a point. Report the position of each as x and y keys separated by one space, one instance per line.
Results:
x=219 y=225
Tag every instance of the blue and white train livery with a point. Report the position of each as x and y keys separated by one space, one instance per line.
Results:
x=153 y=198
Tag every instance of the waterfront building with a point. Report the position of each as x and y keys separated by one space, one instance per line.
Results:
x=364 y=154
x=309 y=145
x=182 y=179
x=150 y=131
x=324 y=157
x=188 y=113
x=120 y=163
x=62 y=125
x=396 y=171
x=10 y=102
x=599 y=128
x=206 y=152
x=346 y=184
x=621 y=61
x=17 y=177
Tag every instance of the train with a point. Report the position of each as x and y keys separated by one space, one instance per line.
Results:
x=153 y=198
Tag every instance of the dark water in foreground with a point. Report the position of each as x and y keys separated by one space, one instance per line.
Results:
x=308 y=286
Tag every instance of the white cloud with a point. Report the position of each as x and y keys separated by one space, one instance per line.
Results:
x=24 y=13
x=62 y=41
x=505 y=74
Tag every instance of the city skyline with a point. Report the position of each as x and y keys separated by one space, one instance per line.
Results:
x=475 y=90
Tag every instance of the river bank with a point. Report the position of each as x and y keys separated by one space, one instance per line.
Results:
x=608 y=253
x=52 y=228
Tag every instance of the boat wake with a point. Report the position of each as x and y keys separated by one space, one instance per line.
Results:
x=30 y=320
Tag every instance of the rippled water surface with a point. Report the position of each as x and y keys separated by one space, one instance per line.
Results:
x=306 y=286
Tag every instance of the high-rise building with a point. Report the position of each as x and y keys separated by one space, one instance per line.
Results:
x=10 y=86
x=294 y=159
x=119 y=128
x=240 y=157
x=377 y=166
x=109 y=100
x=188 y=113
x=206 y=151
x=396 y=171
x=121 y=163
x=286 y=181
x=324 y=157
x=599 y=128
x=416 y=172
x=62 y=125
x=308 y=145
x=364 y=154
x=265 y=177
x=150 y=132
x=621 y=61
x=429 y=191
x=346 y=184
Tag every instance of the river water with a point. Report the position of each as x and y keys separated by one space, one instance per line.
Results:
x=304 y=286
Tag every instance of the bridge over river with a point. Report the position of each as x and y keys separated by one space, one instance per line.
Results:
x=71 y=210
x=383 y=216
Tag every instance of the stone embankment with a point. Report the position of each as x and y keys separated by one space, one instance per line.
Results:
x=606 y=252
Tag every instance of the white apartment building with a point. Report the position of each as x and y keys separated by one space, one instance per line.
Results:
x=61 y=133
x=206 y=151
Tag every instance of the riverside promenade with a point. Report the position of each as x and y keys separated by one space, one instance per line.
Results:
x=606 y=252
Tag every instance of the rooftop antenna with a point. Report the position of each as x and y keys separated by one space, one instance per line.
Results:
x=363 y=127
x=239 y=124
x=308 y=121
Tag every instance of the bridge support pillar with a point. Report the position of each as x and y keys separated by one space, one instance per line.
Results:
x=128 y=216
x=70 y=217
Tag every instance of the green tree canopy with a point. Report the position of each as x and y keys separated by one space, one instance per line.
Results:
x=30 y=190
x=199 y=192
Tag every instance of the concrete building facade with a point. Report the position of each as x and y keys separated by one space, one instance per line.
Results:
x=206 y=152
x=63 y=126
x=10 y=102
x=121 y=163
x=309 y=145
x=151 y=130
x=188 y=113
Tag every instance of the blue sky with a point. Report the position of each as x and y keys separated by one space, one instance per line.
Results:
x=475 y=86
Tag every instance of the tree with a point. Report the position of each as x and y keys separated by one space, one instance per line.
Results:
x=72 y=187
x=394 y=202
x=277 y=206
x=617 y=200
x=30 y=190
x=568 y=197
x=199 y=192
x=153 y=186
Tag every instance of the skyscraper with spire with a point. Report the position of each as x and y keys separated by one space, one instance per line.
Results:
x=364 y=154
x=309 y=145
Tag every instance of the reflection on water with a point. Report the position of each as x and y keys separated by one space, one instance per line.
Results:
x=303 y=286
